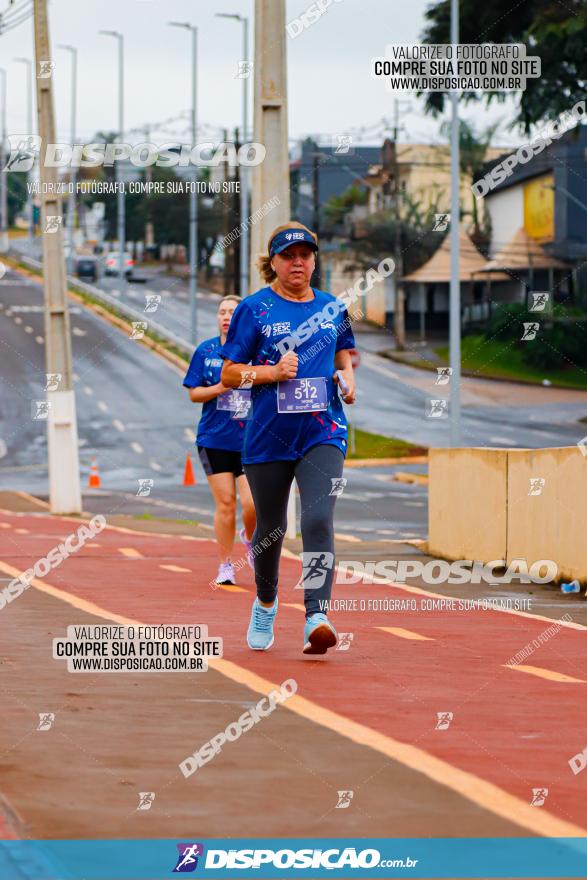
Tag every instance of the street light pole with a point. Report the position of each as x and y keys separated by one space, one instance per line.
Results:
x=244 y=171
x=119 y=178
x=73 y=173
x=193 y=228
x=29 y=89
x=455 y=284
x=4 y=177
x=62 y=440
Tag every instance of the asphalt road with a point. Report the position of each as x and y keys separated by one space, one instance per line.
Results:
x=495 y=414
x=135 y=419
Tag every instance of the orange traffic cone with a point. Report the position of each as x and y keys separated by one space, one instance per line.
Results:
x=94 y=478
x=189 y=478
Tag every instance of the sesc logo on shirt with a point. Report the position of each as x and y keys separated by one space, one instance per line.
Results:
x=277 y=329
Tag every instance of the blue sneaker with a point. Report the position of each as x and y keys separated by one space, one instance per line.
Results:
x=260 y=632
x=319 y=634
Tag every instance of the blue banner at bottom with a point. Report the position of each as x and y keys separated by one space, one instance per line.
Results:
x=291 y=858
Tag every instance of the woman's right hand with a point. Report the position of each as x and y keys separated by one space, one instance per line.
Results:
x=287 y=368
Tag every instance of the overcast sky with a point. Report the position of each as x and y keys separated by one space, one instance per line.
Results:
x=330 y=88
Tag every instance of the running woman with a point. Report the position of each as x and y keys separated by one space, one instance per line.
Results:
x=297 y=428
x=220 y=440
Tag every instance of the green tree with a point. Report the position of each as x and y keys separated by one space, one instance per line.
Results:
x=555 y=31
x=16 y=196
x=337 y=207
x=473 y=146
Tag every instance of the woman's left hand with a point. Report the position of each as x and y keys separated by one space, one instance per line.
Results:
x=349 y=377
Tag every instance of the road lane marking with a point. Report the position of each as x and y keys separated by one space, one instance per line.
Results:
x=155 y=466
x=189 y=435
x=130 y=553
x=28 y=329
x=39 y=339
x=479 y=791
x=78 y=332
x=175 y=568
x=103 y=406
x=89 y=391
x=137 y=447
x=340 y=536
x=18 y=320
x=118 y=425
x=402 y=633
x=548 y=674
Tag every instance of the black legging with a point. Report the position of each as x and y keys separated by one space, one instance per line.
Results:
x=270 y=483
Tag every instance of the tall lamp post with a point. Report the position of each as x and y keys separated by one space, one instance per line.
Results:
x=193 y=237
x=455 y=282
x=244 y=182
x=73 y=174
x=4 y=178
x=29 y=88
x=121 y=202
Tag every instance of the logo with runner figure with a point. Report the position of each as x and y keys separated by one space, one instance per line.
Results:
x=24 y=149
x=187 y=860
x=315 y=567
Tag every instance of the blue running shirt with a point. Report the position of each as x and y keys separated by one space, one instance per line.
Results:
x=259 y=322
x=217 y=429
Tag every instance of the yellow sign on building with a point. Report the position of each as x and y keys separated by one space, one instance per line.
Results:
x=539 y=207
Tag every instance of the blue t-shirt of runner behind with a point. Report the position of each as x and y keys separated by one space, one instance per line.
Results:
x=216 y=429
x=259 y=322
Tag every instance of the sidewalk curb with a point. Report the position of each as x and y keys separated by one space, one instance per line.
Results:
x=382 y=462
x=178 y=363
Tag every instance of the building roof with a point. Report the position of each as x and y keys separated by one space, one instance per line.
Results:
x=437 y=269
x=522 y=252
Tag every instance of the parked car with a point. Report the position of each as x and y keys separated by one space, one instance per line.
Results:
x=111 y=264
x=87 y=267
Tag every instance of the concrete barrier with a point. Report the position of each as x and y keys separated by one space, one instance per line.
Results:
x=489 y=504
x=467 y=503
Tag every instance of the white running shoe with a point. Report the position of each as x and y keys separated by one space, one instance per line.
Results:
x=225 y=574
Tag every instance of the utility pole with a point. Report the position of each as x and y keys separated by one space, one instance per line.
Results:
x=270 y=179
x=4 y=177
x=455 y=284
x=64 y=476
x=238 y=218
x=73 y=173
x=243 y=247
x=226 y=227
x=29 y=89
x=399 y=317
x=316 y=210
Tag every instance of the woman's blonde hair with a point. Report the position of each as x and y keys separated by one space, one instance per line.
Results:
x=230 y=296
x=263 y=261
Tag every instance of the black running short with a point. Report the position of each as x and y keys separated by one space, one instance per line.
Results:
x=220 y=461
